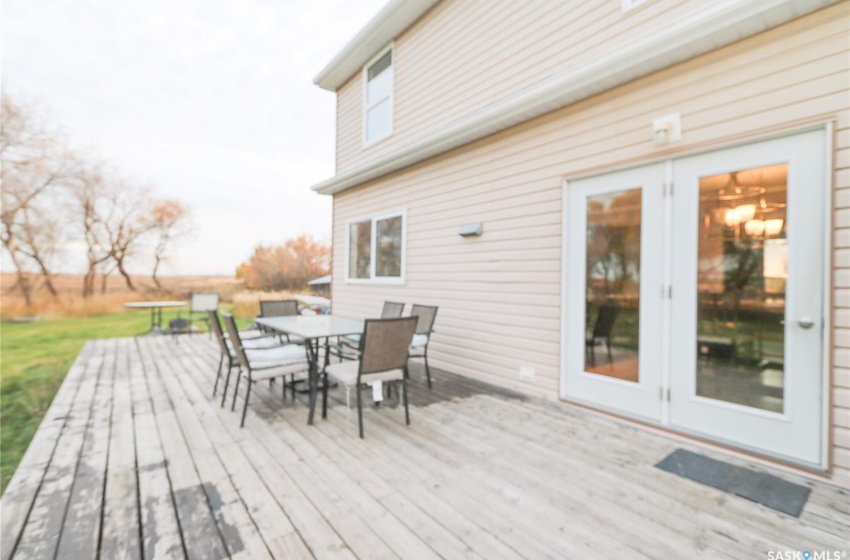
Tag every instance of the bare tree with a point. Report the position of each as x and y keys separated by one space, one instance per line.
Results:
x=39 y=235
x=88 y=193
x=170 y=221
x=33 y=164
x=113 y=218
x=129 y=208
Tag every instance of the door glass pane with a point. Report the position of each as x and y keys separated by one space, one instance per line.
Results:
x=359 y=249
x=742 y=270
x=612 y=314
x=388 y=247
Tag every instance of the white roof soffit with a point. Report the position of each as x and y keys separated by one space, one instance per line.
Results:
x=716 y=24
x=390 y=22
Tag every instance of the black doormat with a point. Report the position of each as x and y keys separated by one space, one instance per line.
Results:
x=761 y=488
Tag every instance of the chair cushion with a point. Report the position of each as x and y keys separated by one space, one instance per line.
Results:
x=419 y=340
x=346 y=373
x=255 y=343
x=260 y=342
x=277 y=371
x=262 y=358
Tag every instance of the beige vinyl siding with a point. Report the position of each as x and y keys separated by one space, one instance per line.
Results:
x=500 y=294
x=465 y=54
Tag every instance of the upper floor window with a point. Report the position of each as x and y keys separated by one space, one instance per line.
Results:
x=378 y=98
x=375 y=248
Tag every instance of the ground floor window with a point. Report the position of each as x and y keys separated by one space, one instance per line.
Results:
x=375 y=248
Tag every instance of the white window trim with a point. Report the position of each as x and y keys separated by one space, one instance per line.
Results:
x=366 y=105
x=374 y=219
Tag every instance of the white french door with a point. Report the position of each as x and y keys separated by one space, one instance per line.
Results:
x=615 y=233
x=700 y=305
x=748 y=296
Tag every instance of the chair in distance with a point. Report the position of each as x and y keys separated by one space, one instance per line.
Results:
x=280 y=361
x=384 y=350
x=602 y=331
x=201 y=304
x=426 y=315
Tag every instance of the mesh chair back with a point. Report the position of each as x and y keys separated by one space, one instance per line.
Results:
x=203 y=302
x=284 y=308
x=215 y=326
x=392 y=310
x=386 y=343
x=605 y=321
x=426 y=314
x=233 y=335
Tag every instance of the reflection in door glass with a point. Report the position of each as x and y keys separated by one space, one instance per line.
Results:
x=742 y=270
x=613 y=284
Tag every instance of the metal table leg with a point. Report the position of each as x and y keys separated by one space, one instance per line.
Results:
x=313 y=357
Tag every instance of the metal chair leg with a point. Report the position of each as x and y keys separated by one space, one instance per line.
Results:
x=324 y=394
x=360 y=411
x=427 y=368
x=226 y=383
x=245 y=407
x=404 y=398
x=218 y=373
x=236 y=389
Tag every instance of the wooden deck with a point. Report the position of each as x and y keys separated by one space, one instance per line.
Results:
x=135 y=460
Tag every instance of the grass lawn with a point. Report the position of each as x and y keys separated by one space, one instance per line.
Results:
x=34 y=358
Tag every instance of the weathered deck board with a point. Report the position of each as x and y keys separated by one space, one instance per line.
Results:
x=40 y=535
x=136 y=460
x=161 y=538
x=201 y=536
x=84 y=510
x=121 y=526
x=20 y=494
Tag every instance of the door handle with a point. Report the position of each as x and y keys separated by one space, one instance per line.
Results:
x=805 y=322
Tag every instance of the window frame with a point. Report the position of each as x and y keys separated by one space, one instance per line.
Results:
x=366 y=106
x=373 y=248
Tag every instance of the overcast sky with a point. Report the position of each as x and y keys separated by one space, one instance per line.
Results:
x=211 y=102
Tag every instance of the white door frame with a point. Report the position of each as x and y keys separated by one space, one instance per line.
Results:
x=827 y=339
x=641 y=398
x=785 y=434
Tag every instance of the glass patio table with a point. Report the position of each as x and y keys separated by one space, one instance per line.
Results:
x=156 y=313
x=313 y=329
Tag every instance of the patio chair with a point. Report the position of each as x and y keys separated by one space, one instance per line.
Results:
x=383 y=357
x=280 y=308
x=391 y=310
x=201 y=304
x=268 y=363
x=424 y=327
x=602 y=331
x=227 y=355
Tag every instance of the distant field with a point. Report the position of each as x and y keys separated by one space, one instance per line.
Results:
x=70 y=302
x=34 y=357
